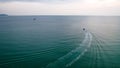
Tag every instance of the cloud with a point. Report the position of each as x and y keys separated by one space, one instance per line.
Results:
x=67 y=7
x=19 y=0
x=50 y=1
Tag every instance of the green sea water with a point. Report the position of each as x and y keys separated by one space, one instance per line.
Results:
x=60 y=42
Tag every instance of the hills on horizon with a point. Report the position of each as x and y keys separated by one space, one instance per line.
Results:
x=3 y=15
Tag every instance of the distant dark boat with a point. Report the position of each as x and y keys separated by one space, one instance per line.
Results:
x=83 y=29
x=34 y=18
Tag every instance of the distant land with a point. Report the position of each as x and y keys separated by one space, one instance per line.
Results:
x=3 y=15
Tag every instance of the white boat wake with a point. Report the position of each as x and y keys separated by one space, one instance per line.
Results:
x=70 y=58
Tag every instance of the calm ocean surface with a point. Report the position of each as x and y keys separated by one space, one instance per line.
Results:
x=60 y=42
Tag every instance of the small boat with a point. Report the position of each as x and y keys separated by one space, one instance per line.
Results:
x=34 y=18
x=83 y=29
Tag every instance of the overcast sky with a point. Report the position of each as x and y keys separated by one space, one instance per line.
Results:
x=60 y=7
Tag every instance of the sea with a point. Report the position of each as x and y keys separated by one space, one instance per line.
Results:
x=59 y=41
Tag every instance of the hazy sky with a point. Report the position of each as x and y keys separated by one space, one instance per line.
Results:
x=60 y=7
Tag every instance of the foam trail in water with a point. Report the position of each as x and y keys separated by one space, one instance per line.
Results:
x=74 y=55
x=90 y=40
